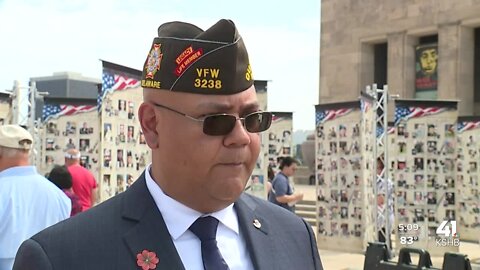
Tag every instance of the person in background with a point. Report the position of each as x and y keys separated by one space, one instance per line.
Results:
x=83 y=182
x=270 y=175
x=62 y=178
x=188 y=210
x=28 y=201
x=282 y=192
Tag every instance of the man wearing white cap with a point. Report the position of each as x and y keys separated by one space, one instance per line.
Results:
x=28 y=201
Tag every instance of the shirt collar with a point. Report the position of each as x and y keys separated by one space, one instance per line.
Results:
x=178 y=217
x=19 y=171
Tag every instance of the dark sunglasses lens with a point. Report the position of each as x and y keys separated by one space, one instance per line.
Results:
x=258 y=122
x=216 y=125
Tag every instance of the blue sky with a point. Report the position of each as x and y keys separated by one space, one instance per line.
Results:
x=40 y=37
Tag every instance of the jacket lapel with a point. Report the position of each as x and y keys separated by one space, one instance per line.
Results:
x=150 y=233
x=255 y=230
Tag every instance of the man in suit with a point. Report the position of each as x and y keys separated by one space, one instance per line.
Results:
x=201 y=119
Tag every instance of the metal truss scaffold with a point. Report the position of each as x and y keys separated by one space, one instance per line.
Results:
x=23 y=113
x=381 y=180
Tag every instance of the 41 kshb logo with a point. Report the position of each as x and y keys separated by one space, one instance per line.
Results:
x=447 y=235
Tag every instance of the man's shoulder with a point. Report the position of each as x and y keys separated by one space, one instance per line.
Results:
x=38 y=182
x=269 y=210
x=280 y=176
x=98 y=220
x=79 y=169
x=100 y=230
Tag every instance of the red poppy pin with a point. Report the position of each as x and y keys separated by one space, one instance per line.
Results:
x=147 y=260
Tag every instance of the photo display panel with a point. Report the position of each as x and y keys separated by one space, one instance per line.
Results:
x=67 y=126
x=280 y=142
x=340 y=152
x=425 y=172
x=124 y=152
x=468 y=174
x=256 y=185
x=5 y=109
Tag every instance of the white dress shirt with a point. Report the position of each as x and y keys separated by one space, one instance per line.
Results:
x=178 y=219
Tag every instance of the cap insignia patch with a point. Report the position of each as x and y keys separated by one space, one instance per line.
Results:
x=153 y=61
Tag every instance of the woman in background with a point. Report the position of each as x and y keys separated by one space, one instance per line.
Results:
x=62 y=178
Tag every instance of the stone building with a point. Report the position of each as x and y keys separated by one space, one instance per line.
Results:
x=66 y=85
x=376 y=41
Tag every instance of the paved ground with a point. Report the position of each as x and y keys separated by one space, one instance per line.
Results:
x=333 y=260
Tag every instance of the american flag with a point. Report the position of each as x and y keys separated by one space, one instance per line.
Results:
x=114 y=82
x=464 y=126
x=365 y=105
x=54 y=111
x=390 y=130
x=324 y=116
x=379 y=131
x=276 y=118
x=405 y=113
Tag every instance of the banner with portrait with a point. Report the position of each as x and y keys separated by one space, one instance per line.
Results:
x=426 y=68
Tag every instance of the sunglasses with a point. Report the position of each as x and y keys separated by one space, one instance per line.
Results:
x=223 y=124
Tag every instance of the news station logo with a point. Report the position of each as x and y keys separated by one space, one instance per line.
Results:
x=447 y=234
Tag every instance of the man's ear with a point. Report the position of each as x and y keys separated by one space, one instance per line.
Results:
x=148 y=122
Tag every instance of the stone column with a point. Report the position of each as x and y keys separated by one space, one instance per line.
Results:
x=366 y=66
x=401 y=64
x=455 y=65
x=448 y=47
x=465 y=79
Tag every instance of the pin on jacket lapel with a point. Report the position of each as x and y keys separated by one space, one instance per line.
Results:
x=150 y=233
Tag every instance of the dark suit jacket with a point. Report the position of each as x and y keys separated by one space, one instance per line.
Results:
x=110 y=235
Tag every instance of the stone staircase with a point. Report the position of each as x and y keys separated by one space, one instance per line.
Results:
x=307 y=210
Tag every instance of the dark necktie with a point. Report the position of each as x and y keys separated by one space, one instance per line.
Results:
x=205 y=228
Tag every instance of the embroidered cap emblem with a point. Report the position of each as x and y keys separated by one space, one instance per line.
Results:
x=153 y=61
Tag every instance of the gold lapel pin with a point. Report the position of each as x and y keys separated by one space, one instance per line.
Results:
x=257 y=224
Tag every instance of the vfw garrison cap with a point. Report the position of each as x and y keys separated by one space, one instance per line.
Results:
x=184 y=58
x=14 y=136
